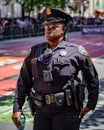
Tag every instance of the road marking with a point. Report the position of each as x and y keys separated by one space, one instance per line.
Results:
x=7 y=62
x=17 y=66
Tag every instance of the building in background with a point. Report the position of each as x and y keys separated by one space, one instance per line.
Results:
x=11 y=10
x=85 y=8
x=96 y=5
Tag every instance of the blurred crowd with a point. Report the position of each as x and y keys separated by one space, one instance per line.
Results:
x=78 y=22
x=27 y=27
x=18 y=27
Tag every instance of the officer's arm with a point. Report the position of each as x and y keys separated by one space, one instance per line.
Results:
x=24 y=85
x=91 y=78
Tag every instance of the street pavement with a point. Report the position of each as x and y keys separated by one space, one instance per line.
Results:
x=94 y=120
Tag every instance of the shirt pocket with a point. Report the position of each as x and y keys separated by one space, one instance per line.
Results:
x=66 y=68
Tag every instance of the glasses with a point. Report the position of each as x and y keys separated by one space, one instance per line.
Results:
x=52 y=26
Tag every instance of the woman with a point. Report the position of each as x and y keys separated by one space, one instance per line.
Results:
x=51 y=69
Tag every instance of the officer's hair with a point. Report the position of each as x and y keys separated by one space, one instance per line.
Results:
x=65 y=27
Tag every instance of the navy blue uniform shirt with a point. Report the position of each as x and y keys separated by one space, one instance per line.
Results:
x=67 y=60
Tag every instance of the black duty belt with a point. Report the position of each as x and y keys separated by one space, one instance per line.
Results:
x=58 y=98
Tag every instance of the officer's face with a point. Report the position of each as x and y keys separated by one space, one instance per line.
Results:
x=54 y=31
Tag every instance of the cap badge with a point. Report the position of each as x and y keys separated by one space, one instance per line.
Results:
x=63 y=53
x=48 y=11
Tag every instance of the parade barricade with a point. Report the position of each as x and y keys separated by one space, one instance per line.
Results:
x=14 y=31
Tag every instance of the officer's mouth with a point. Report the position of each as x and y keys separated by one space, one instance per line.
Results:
x=49 y=32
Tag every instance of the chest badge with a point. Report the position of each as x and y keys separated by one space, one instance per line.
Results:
x=62 y=53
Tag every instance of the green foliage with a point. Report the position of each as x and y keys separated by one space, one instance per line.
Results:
x=39 y=4
x=7 y=2
x=29 y=5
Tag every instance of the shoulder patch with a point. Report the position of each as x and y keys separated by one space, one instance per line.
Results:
x=83 y=51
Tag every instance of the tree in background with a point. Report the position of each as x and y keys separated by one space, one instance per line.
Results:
x=29 y=5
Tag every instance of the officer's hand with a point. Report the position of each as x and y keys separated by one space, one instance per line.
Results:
x=15 y=118
x=84 y=111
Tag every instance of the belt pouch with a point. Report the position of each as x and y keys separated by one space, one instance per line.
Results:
x=39 y=100
x=68 y=97
x=59 y=98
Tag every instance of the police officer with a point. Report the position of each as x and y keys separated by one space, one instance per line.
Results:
x=51 y=69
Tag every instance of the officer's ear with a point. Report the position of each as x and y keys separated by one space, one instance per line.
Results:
x=64 y=28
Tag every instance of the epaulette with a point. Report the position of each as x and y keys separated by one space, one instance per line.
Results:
x=39 y=45
x=44 y=44
x=69 y=44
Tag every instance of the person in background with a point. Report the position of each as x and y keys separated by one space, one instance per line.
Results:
x=51 y=69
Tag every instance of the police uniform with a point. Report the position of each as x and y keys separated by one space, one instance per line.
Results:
x=53 y=74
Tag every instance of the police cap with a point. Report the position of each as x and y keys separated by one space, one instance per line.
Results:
x=56 y=15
